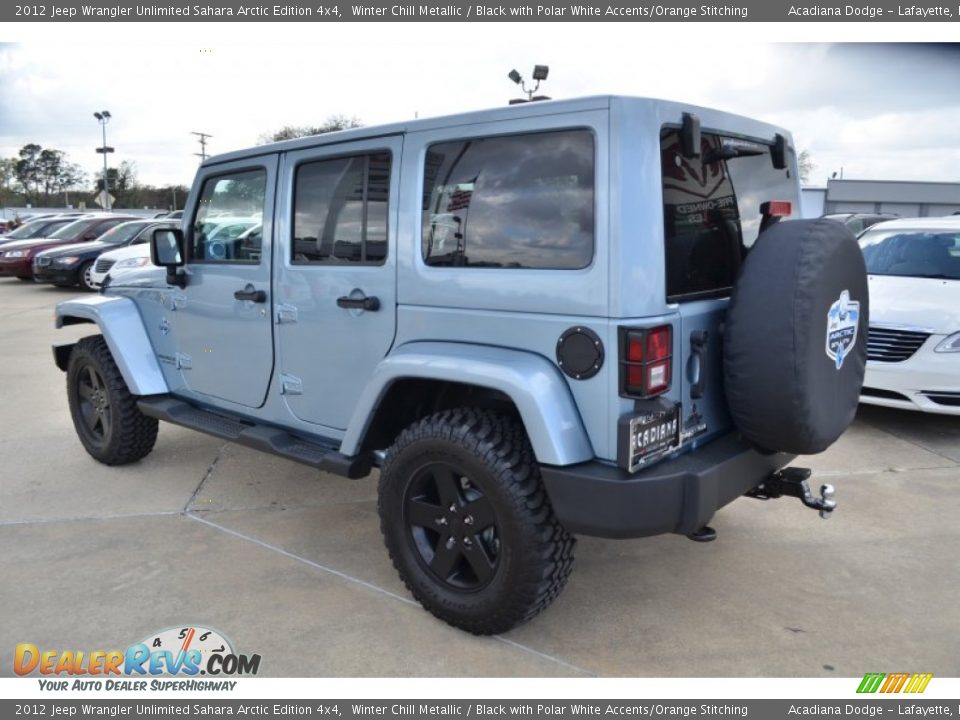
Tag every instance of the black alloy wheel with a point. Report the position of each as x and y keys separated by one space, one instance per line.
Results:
x=452 y=527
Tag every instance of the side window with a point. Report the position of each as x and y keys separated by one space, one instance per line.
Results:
x=518 y=201
x=229 y=205
x=340 y=210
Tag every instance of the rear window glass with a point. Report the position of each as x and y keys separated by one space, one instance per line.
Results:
x=711 y=210
x=518 y=201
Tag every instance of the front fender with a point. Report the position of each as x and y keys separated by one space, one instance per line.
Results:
x=120 y=323
x=534 y=384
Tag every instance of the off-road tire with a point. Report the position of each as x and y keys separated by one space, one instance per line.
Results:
x=125 y=434
x=82 y=277
x=491 y=454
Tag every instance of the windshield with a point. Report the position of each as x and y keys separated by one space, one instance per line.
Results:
x=122 y=234
x=912 y=253
x=36 y=229
x=73 y=229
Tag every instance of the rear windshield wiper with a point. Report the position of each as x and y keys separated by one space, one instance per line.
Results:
x=729 y=151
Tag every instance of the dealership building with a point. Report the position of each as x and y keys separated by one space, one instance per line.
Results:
x=903 y=198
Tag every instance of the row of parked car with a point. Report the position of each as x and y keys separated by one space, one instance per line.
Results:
x=82 y=249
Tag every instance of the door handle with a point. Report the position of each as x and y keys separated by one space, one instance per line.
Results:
x=257 y=296
x=698 y=352
x=361 y=303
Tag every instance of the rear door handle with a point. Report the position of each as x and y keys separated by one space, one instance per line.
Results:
x=257 y=296
x=371 y=304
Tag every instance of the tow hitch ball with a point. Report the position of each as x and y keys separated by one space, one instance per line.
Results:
x=792 y=482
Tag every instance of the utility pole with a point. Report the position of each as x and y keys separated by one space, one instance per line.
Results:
x=203 y=144
x=103 y=117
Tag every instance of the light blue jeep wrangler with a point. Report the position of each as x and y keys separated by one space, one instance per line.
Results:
x=590 y=316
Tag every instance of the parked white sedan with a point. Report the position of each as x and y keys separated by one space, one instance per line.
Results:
x=127 y=258
x=913 y=352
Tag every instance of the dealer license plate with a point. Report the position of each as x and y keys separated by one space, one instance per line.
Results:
x=652 y=435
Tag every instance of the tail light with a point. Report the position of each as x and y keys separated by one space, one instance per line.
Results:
x=646 y=361
x=776 y=208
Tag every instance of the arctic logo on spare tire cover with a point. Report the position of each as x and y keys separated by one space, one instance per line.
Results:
x=842 y=321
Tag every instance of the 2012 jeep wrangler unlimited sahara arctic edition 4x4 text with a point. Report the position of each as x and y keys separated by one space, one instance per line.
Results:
x=564 y=317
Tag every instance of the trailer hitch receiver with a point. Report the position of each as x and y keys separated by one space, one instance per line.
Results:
x=792 y=482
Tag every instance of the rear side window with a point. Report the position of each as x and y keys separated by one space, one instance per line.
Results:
x=518 y=201
x=711 y=210
x=340 y=211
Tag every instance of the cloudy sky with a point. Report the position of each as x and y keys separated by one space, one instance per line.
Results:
x=880 y=111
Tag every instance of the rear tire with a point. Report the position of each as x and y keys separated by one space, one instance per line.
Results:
x=468 y=524
x=105 y=415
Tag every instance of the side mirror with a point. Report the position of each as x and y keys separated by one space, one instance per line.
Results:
x=167 y=249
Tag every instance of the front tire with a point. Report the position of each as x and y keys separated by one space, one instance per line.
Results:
x=105 y=415
x=85 y=277
x=468 y=524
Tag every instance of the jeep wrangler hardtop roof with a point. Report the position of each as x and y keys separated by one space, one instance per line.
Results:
x=723 y=121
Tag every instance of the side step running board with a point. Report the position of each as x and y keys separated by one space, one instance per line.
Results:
x=260 y=437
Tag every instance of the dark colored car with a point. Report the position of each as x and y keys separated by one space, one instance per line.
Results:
x=36 y=229
x=72 y=264
x=16 y=258
x=858 y=222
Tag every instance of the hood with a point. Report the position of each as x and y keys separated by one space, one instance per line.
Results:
x=921 y=302
x=34 y=243
x=93 y=247
x=141 y=250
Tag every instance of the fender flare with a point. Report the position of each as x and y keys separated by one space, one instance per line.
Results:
x=122 y=328
x=532 y=382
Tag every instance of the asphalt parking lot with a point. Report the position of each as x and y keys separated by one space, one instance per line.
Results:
x=289 y=563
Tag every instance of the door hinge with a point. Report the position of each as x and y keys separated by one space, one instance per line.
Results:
x=291 y=384
x=184 y=362
x=286 y=314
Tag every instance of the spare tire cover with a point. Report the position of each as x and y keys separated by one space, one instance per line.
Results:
x=795 y=343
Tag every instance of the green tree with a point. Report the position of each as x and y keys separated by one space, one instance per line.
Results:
x=331 y=124
x=27 y=171
x=123 y=185
x=43 y=174
x=8 y=175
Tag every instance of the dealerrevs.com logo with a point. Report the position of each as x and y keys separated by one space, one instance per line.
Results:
x=182 y=651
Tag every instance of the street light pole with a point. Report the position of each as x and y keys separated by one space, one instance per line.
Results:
x=103 y=117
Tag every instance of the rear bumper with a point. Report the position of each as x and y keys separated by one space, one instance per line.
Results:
x=675 y=496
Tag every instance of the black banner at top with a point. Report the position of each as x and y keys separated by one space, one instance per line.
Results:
x=327 y=11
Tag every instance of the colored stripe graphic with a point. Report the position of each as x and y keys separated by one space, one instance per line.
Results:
x=894 y=682
x=918 y=682
x=870 y=682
